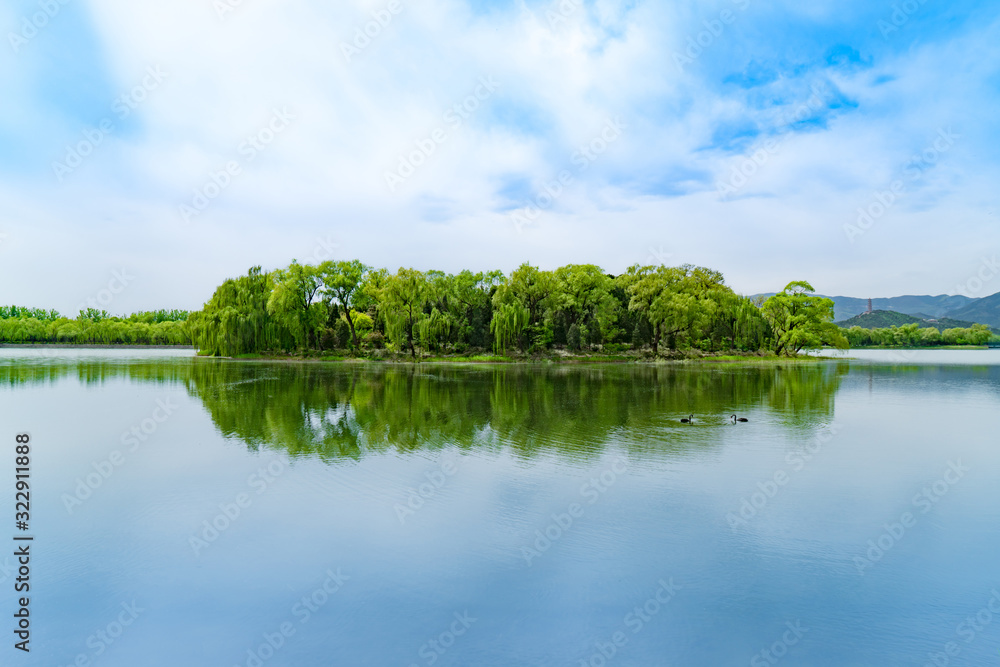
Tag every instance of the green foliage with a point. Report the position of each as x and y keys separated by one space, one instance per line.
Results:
x=292 y=302
x=582 y=296
x=106 y=331
x=573 y=337
x=522 y=303
x=93 y=327
x=682 y=304
x=800 y=321
x=20 y=312
x=885 y=319
x=347 y=304
x=342 y=284
x=912 y=335
x=401 y=303
x=236 y=320
x=93 y=315
x=509 y=322
x=158 y=316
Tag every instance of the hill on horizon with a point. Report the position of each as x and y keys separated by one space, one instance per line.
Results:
x=956 y=307
x=985 y=310
x=940 y=305
x=883 y=319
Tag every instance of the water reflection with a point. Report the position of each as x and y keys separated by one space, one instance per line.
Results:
x=336 y=411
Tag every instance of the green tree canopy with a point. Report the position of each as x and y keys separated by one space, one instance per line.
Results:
x=342 y=282
x=402 y=302
x=292 y=301
x=801 y=321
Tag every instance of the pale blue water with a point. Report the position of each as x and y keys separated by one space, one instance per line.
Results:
x=506 y=454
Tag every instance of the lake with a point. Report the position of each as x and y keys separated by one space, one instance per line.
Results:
x=191 y=511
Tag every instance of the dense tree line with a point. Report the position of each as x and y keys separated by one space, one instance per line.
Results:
x=912 y=335
x=33 y=325
x=347 y=305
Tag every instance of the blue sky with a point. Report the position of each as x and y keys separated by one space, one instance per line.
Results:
x=851 y=144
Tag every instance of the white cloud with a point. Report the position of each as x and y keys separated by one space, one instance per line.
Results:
x=559 y=85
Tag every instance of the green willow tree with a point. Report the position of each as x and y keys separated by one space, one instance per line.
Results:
x=801 y=321
x=236 y=319
x=293 y=302
x=342 y=283
x=582 y=298
x=520 y=305
x=402 y=301
x=368 y=298
x=679 y=302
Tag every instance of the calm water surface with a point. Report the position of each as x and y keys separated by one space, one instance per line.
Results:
x=245 y=513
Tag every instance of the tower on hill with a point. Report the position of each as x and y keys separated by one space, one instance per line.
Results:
x=869 y=311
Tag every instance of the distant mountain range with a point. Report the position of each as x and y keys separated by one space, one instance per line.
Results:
x=883 y=319
x=941 y=305
x=985 y=310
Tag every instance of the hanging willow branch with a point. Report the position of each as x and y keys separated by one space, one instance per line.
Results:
x=509 y=320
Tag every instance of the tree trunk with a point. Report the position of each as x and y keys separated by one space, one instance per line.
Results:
x=409 y=334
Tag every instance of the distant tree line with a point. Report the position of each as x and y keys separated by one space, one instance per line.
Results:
x=347 y=305
x=91 y=326
x=912 y=335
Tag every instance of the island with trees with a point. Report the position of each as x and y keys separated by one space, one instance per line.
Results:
x=575 y=310
x=347 y=309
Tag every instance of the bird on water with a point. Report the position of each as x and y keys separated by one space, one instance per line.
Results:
x=687 y=420
x=739 y=419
